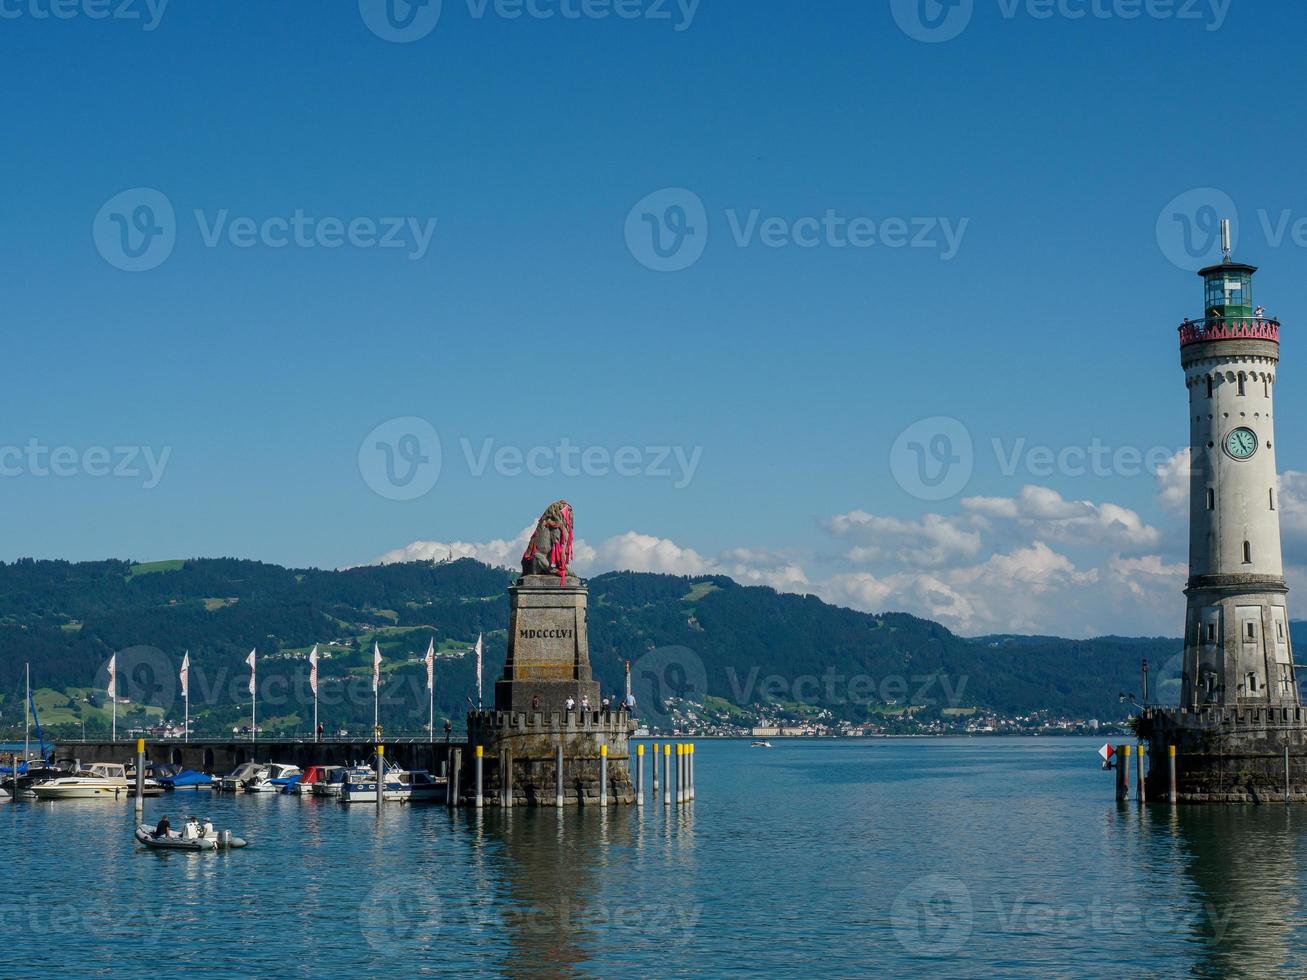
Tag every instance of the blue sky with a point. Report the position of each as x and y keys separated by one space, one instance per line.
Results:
x=1051 y=150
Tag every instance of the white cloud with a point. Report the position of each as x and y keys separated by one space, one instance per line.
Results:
x=1035 y=562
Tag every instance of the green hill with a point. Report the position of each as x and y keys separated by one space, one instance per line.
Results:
x=695 y=638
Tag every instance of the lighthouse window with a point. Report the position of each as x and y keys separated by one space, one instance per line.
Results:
x=1272 y=498
x=1211 y=499
x=1247 y=553
x=1266 y=388
x=1242 y=389
x=1279 y=630
x=1252 y=683
x=1209 y=386
x=1211 y=632
x=1252 y=630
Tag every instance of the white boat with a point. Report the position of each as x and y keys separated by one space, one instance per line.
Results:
x=360 y=786
x=237 y=778
x=424 y=787
x=761 y=744
x=102 y=779
x=331 y=786
x=273 y=778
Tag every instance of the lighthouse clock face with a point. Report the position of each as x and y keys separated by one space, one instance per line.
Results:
x=1241 y=443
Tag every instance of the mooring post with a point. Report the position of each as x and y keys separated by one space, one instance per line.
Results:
x=508 y=779
x=381 y=775
x=655 y=772
x=1170 y=752
x=140 y=775
x=451 y=780
x=680 y=773
x=480 y=753
x=692 y=770
x=1286 y=773
x=1122 y=772
x=1139 y=795
x=558 y=774
x=667 y=774
x=639 y=775
x=603 y=774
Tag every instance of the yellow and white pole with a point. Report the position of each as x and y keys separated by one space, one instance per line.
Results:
x=667 y=774
x=603 y=774
x=480 y=754
x=639 y=775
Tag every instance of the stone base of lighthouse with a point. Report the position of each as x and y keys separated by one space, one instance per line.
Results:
x=520 y=749
x=1227 y=755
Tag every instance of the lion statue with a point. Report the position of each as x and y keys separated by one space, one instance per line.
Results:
x=550 y=548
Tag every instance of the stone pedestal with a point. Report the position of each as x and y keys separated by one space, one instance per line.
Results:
x=529 y=742
x=548 y=650
x=548 y=662
x=1227 y=755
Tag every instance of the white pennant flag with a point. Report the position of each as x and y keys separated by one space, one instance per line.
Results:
x=185 y=675
x=376 y=667
x=431 y=664
x=478 y=667
x=113 y=677
x=313 y=669
x=250 y=661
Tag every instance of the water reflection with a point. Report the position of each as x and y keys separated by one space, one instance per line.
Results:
x=1244 y=866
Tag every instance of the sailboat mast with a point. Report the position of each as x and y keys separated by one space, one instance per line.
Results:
x=27 y=723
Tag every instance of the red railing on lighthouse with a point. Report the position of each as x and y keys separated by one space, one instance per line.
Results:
x=1229 y=328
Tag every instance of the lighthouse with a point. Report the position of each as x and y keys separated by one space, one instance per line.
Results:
x=1239 y=733
x=1237 y=646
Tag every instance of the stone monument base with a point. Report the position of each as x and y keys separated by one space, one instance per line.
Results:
x=1227 y=755
x=523 y=746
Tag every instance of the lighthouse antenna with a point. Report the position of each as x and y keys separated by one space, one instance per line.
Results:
x=1225 y=240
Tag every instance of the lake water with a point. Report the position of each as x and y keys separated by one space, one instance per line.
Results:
x=944 y=857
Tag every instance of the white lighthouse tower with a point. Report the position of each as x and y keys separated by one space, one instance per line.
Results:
x=1237 y=647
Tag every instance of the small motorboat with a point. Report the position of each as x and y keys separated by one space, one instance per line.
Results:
x=334 y=782
x=202 y=838
x=312 y=776
x=273 y=779
x=173 y=841
x=104 y=779
x=234 y=780
x=360 y=786
x=761 y=743
x=424 y=787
